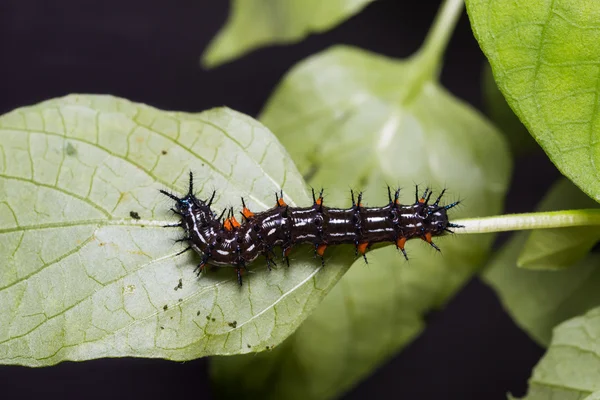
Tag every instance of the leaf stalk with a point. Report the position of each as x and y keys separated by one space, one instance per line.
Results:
x=439 y=35
x=526 y=221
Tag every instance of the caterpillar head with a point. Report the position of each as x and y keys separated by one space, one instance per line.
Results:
x=435 y=217
x=436 y=220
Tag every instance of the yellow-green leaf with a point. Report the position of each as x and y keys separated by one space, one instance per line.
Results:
x=87 y=269
x=544 y=55
x=256 y=23
x=569 y=369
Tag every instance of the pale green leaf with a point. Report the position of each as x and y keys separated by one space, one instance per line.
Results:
x=82 y=278
x=562 y=247
x=539 y=300
x=544 y=55
x=256 y=23
x=354 y=119
x=570 y=368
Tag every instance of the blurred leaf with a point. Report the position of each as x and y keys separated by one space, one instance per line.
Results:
x=354 y=119
x=560 y=248
x=544 y=55
x=569 y=370
x=518 y=137
x=83 y=279
x=257 y=23
x=539 y=300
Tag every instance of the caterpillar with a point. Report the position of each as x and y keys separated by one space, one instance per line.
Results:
x=223 y=241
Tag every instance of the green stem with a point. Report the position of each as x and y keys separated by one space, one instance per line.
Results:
x=426 y=63
x=540 y=220
x=437 y=39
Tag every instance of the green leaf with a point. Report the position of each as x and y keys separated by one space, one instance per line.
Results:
x=354 y=119
x=539 y=300
x=351 y=332
x=562 y=247
x=569 y=369
x=544 y=55
x=497 y=109
x=257 y=23
x=86 y=278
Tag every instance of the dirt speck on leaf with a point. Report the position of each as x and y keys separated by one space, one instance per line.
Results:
x=179 y=285
x=70 y=149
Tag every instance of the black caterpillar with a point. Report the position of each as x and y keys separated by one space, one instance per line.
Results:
x=235 y=244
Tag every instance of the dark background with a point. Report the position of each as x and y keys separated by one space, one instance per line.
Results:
x=148 y=51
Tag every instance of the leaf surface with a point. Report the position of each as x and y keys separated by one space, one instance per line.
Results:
x=257 y=23
x=569 y=369
x=86 y=278
x=544 y=56
x=354 y=119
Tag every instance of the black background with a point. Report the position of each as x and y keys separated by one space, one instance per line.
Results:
x=148 y=51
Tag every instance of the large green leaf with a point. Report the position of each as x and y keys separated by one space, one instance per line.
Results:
x=569 y=370
x=354 y=119
x=256 y=23
x=82 y=277
x=544 y=55
x=539 y=300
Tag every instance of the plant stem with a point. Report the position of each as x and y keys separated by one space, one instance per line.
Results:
x=426 y=63
x=437 y=39
x=540 y=220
